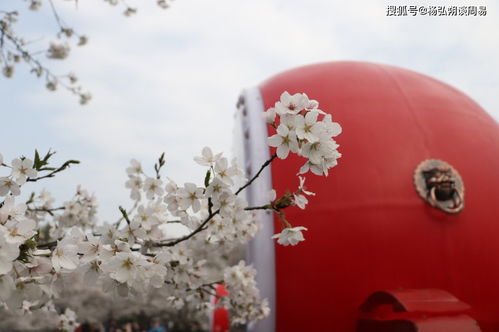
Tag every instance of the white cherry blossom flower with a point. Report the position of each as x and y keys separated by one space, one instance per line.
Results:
x=224 y=172
x=18 y=230
x=215 y=188
x=321 y=168
x=224 y=202
x=58 y=51
x=301 y=187
x=289 y=120
x=172 y=197
x=40 y=266
x=190 y=196
x=133 y=231
x=7 y=286
x=207 y=157
x=135 y=168
x=329 y=128
x=290 y=236
x=109 y=250
x=134 y=183
x=307 y=127
x=108 y=233
x=146 y=217
x=65 y=256
x=46 y=199
x=90 y=248
x=269 y=115
x=22 y=169
x=156 y=273
x=284 y=141
x=8 y=253
x=300 y=200
x=319 y=150
x=313 y=105
x=180 y=255
x=124 y=267
x=271 y=195
x=153 y=187
x=10 y=209
x=7 y=185
x=67 y=321
x=291 y=104
x=91 y=272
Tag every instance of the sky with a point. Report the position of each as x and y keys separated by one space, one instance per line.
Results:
x=168 y=80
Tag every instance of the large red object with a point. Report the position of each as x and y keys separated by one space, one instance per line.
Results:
x=368 y=230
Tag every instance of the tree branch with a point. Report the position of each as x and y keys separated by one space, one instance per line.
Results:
x=211 y=215
x=51 y=174
x=47 y=210
x=257 y=174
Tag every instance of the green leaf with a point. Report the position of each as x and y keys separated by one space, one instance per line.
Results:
x=36 y=163
x=47 y=156
x=162 y=159
x=125 y=214
x=207 y=178
x=47 y=169
x=31 y=198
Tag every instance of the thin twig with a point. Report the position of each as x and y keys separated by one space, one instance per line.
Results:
x=52 y=174
x=263 y=207
x=46 y=210
x=56 y=15
x=188 y=236
x=36 y=65
x=258 y=173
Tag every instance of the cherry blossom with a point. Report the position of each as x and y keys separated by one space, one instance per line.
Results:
x=291 y=104
x=190 y=196
x=290 y=236
x=65 y=256
x=8 y=253
x=18 y=230
x=153 y=187
x=307 y=127
x=135 y=168
x=22 y=169
x=285 y=141
x=43 y=244
x=207 y=157
x=299 y=196
x=8 y=185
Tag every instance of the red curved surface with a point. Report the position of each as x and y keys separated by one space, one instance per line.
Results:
x=368 y=228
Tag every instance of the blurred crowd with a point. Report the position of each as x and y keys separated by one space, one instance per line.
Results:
x=135 y=326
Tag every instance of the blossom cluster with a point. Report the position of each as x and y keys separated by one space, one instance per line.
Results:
x=15 y=49
x=244 y=294
x=214 y=204
x=304 y=129
x=44 y=246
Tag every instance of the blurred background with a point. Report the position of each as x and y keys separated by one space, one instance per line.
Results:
x=168 y=80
